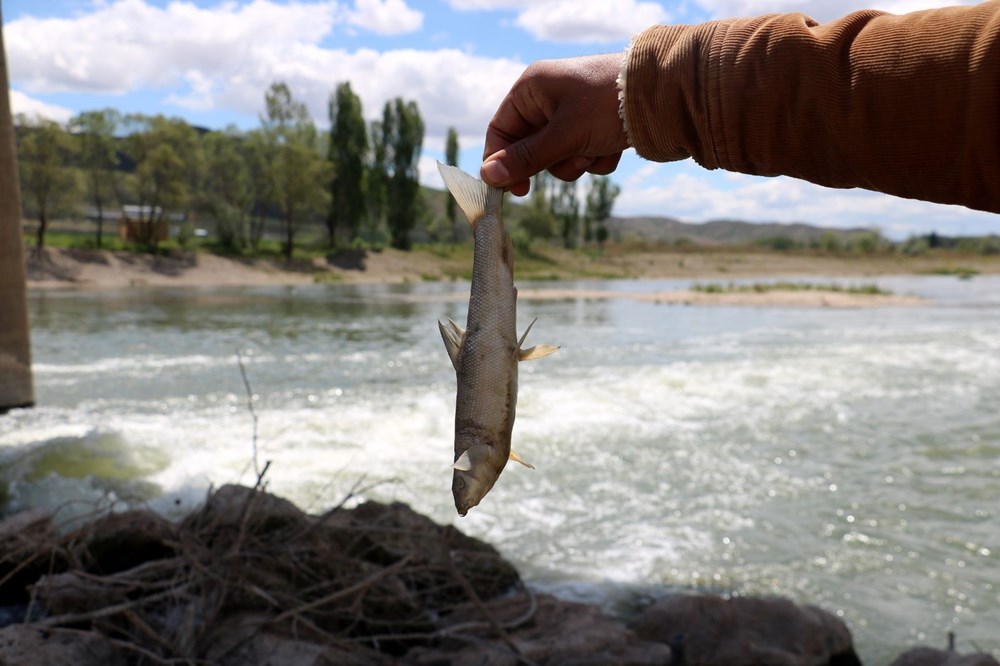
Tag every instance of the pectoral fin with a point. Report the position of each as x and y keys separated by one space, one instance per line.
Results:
x=464 y=462
x=453 y=336
x=516 y=458
x=472 y=457
x=538 y=351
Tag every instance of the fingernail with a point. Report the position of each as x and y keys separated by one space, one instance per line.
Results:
x=494 y=172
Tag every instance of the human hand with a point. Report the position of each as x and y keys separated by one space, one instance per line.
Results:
x=561 y=115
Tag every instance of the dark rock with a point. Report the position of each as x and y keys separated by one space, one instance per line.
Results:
x=558 y=632
x=925 y=656
x=707 y=629
x=27 y=645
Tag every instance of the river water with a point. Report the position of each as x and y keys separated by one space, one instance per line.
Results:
x=848 y=458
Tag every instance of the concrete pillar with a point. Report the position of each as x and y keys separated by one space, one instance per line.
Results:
x=16 y=387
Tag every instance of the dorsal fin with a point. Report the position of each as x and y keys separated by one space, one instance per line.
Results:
x=473 y=196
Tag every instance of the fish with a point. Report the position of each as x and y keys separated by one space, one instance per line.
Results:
x=486 y=353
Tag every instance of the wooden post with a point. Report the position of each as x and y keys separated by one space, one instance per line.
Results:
x=16 y=387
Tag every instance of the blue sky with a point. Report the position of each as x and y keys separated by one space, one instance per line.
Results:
x=210 y=61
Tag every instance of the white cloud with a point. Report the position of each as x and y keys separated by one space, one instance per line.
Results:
x=593 y=21
x=385 y=17
x=821 y=10
x=131 y=43
x=590 y=22
x=29 y=106
x=466 y=5
x=698 y=196
x=227 y=56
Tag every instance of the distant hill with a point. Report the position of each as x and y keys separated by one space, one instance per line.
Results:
x=720 y=232
x=670 y=230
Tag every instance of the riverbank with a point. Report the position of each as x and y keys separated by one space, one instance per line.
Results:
x=248 y=578
x=61 y=268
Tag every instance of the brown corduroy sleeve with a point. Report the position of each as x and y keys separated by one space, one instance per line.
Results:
x=908 y=105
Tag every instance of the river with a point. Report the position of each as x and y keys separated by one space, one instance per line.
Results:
x=847 y=458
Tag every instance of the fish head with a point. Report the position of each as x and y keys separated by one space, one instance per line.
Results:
x=473 y=477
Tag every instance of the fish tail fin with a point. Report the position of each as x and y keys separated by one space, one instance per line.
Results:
x=473 y=196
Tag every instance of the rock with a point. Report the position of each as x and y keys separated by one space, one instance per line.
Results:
x=559 y=632
x=26 y=645
x=70 y=593
x=708 y=629
x=28 y=549
x=120 y=541
x=26 y=523
x=925 y=656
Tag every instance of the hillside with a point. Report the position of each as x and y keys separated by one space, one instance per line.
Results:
x=720 y=232
x=666 y=229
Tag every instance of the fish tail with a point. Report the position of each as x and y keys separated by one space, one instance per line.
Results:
x=473 y=196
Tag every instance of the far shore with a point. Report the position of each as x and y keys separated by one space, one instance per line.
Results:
x=60 y=268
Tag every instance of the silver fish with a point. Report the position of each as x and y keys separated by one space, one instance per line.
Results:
x=485 y=355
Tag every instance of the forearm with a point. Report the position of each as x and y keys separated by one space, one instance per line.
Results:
x=908 y=105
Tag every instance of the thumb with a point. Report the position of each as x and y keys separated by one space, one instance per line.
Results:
x=522 y=159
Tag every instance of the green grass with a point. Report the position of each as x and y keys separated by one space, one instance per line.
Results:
x=962 y=272
x=764 y=287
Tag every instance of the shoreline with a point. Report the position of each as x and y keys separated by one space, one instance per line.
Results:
x=105 y=270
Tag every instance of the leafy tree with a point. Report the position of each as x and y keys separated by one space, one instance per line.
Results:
x=347 y=154
x=167 y=157
x=260 y=153
x=451 y=157
x=229 y=188
x=299 y=172
x=45 y=151
x=403 y=134
x=98 y=157
x=600 y=200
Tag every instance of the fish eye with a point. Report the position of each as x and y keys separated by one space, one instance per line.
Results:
x=459 y=483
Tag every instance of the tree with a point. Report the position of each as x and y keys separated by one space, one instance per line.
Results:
x=600 y=200
x=538 y=220
x=167 y=157
x=402 y=135
x=300 y=174
x=260 y=153
x=51 y=186
x=98 y=157
x=451 y=157
x=16 y=384
x=229 y=189
x=348 y=152
x=378 y=175
x=566 y=208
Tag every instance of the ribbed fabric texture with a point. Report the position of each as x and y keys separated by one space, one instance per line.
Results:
x=907 y=105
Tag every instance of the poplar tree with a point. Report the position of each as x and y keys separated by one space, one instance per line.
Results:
x=451 y=157
x=566 y=208
x=403 y=135
x=600 y=200
x=348 y=151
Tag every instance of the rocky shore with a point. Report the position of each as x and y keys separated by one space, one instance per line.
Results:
x=250 y=579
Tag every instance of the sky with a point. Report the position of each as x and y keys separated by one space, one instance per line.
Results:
x=211 y=61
